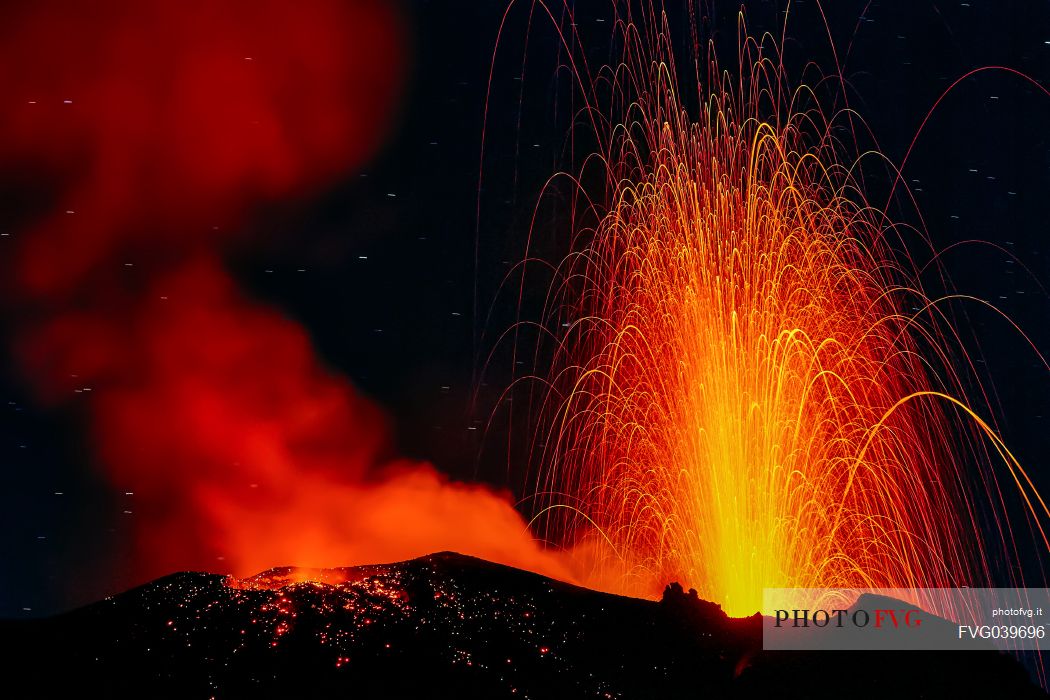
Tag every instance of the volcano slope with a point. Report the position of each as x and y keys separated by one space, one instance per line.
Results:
x=447 y=626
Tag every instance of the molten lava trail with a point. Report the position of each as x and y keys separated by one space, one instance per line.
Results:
x=750 y=386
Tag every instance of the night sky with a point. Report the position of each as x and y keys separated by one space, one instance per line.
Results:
x=394 y=277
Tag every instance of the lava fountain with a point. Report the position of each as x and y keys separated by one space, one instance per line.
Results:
x=750 y=387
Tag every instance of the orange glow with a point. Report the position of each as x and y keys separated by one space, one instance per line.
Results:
x=750 y=387
x=157 y=130
x=243 y=452
x=276 y=579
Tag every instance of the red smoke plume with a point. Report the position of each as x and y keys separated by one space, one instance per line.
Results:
x=156 y=127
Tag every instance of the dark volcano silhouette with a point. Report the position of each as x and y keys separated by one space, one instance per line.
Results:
x=447 y=626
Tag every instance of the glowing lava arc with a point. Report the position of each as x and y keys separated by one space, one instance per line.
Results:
x=750 y=388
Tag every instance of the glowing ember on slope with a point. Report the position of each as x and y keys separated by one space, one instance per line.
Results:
x=275 y=579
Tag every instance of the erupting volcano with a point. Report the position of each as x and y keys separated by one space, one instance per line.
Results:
x=240 y=228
